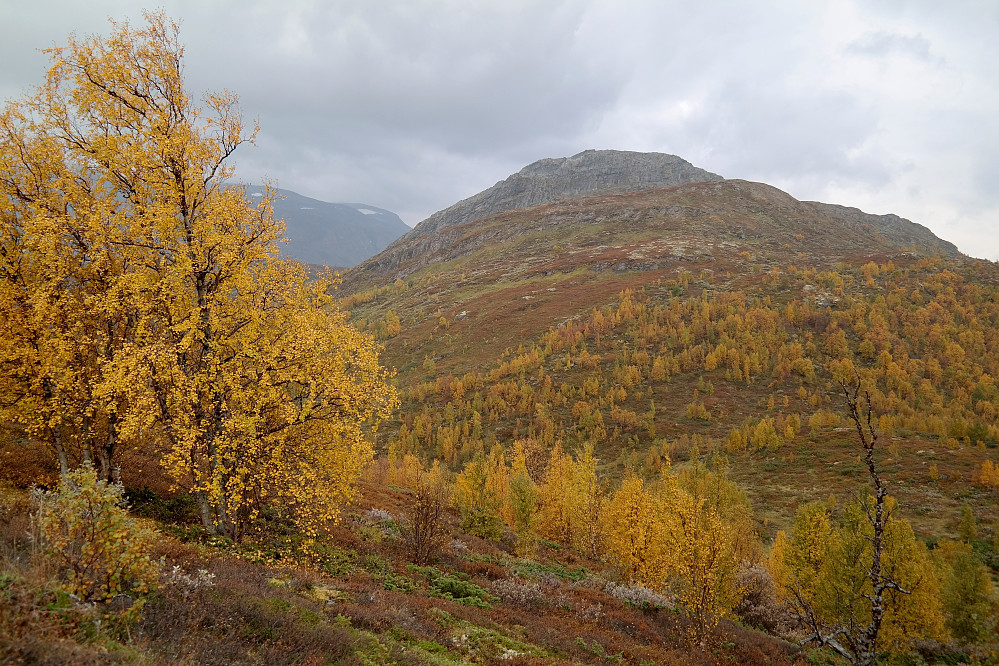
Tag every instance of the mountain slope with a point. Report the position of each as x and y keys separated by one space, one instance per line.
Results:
x=548 y=180
x=559 y=300
x=335 y=234
x=707 y=220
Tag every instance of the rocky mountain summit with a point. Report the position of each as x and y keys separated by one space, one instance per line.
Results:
x=554 y=179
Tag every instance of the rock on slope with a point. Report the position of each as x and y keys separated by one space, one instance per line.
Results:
x=548 y=180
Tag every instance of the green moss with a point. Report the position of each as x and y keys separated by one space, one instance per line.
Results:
x=454 y=588
x=531 y=569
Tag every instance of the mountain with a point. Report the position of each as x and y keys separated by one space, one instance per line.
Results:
x=335 y=234
x=637 y=320
x=700 y=222
x=548 y=180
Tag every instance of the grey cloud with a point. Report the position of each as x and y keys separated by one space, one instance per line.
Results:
x=786 y=133
x=884 y=43
x=469 y=82
x=375 y=88
x=412 y=105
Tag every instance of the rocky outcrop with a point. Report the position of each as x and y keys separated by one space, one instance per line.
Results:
x=545 y=181
x=895 y=230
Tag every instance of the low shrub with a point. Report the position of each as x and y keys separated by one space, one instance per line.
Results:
x=759 y=607
x=399 y=583
x=639 y=596
x=519 y=591
x=453 y=588
x=424 y=527
x=99 y=550
x=531 y=569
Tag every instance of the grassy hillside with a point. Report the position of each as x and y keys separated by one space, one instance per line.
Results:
x=709 y=357
x=350 y=596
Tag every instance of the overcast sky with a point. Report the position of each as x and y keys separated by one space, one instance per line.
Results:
x=411 y=105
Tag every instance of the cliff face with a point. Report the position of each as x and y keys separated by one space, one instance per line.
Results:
x=549 y=180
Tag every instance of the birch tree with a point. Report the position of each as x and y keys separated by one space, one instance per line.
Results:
x=144 y=303
x=867 y=585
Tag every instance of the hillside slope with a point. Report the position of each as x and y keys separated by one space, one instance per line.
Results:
x=540 y=313
x=707 y=220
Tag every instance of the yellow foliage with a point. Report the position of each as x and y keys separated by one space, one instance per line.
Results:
x=796 y=561
x=778 y=566
x=704 y=562
x=569 y=499
x=151 y=306
x=672 y=537
x=393 y=326
x=404 y=471
x=635 y=539
x=480 y=492
x=736 y=440
x=988 y=475
x=826 y=568
x=764 y=435
x=697 y=410
x=967 y=592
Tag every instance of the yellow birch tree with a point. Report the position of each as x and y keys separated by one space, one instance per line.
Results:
x=144 y=303
x=866 y=585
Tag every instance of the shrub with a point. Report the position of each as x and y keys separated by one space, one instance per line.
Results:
x=988 y=476
x=424 y=528
x=639 y=596
x=519 y=591
x=452 y=588
x=374 y=515
x=531 y=569
x=398 y=583
x=98 y=548
x=968 y=600
x=186 y=582
x=759 y=606
x=338 y=562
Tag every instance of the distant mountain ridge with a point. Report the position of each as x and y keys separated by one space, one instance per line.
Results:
x=334 y=234
x=553 y=179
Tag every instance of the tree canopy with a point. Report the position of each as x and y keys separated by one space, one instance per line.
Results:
x=143 y=302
